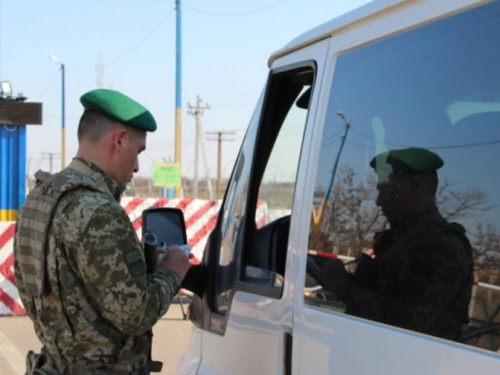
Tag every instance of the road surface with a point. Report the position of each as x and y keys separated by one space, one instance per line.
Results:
x=171 y=339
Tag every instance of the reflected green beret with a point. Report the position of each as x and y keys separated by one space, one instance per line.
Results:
x=120 y=107
x=407 y=160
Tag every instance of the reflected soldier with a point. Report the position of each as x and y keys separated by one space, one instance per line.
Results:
x=422 y=273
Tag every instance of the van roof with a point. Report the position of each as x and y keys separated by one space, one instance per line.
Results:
x=333 y=26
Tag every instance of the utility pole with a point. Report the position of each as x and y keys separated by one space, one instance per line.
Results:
x=50 y=156
x=63 y=111
x=219 y=159
x=178 y=96
x=197 y=112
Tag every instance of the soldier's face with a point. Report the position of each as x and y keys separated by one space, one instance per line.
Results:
x=132 y=144
x=395 y=197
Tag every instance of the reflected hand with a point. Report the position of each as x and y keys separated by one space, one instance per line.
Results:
x=312 y=269
x=335 y=278
x=366 y=271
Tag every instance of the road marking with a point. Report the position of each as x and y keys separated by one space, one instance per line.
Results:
x=11 y=355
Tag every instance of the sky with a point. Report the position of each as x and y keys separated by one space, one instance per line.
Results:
x=130 y=46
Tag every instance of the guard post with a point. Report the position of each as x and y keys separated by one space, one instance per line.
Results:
x=15 y=114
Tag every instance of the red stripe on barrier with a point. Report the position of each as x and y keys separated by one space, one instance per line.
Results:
x=6 y=269
x=183 y=204
x=203 y=231
x=137 y=223
x=7 y=235
x=11 y=304
x=162 y=202
x=133 y=204
x=322 y=254
x=195 y=217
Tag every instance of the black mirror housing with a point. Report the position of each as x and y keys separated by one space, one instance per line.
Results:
x=167 y=223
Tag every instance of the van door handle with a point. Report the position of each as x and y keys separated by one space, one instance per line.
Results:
x=287 y=353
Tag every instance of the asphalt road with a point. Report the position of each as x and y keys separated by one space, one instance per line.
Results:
x=170 y=339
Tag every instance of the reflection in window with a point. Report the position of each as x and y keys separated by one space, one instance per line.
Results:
x=438 y=89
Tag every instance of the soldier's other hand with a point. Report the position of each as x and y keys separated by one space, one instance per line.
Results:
x=176 y=260
x=335 y=278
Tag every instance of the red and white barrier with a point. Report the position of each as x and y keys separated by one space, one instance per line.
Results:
x=10 y=304
x=200 y=216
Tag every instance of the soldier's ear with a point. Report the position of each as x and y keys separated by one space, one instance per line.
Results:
x=118 y=138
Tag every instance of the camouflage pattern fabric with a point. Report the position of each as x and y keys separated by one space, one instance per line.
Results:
x=423 y=280
x=99 y=305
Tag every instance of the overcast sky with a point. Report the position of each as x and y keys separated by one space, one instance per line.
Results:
x=130 y=46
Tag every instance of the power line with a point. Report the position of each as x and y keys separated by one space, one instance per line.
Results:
x=142 y=40
x=259 y=10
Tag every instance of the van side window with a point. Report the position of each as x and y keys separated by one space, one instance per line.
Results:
x=405 y=223
x=258 y=204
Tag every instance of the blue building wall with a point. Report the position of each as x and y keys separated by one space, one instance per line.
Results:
x=12 y=170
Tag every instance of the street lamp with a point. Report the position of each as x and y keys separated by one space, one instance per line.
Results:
x=63 y=116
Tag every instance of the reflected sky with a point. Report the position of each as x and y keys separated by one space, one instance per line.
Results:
x=437 y=87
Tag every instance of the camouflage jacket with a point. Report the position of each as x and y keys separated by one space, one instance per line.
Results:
x=423 y=280
x=98 y=304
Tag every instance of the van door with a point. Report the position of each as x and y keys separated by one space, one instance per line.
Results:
x=430 y=85
x=245 y=316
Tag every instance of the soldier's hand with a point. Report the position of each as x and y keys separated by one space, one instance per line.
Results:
x=176 y=260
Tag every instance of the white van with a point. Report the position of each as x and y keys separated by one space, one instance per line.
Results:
x=390 y=75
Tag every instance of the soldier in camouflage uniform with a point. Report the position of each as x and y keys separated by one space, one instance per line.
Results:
x=422 y=273
x=79 y=264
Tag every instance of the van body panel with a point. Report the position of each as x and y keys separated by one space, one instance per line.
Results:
x=280 y=331
x=379 y=13
x=256 y=324
x=329 y=338
x=190 y=361
x=253 y=336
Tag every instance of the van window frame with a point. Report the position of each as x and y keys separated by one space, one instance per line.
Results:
x=259 y=157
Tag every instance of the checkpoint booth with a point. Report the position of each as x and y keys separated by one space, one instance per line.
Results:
x=15 y=114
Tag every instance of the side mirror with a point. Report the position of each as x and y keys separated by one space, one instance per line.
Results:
x=166 y=223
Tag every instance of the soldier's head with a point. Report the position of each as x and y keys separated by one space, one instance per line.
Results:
x=112 y=132
x=407 y=181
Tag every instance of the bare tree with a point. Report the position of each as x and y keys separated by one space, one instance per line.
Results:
x=456 y=205
x=486 y=247
x=350 y=216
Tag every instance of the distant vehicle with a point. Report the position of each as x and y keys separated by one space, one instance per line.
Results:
x=391 y=74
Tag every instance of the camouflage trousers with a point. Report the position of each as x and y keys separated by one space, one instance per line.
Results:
x=43 y=364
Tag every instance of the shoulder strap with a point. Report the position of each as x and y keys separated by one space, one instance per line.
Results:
x=89 y=174
x=34 y=220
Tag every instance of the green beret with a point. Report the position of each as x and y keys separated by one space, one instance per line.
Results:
x=119 y=107
x=408 y=160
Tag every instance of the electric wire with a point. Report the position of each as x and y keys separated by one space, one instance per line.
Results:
x=258 y=10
